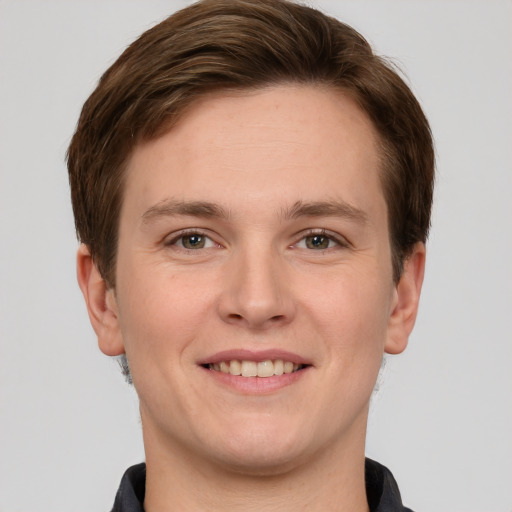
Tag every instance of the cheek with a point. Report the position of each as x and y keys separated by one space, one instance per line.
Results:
x=160 y=313
x=352 y=312
x=161 y=316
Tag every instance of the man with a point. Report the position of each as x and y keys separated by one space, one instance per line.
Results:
x=252 y=189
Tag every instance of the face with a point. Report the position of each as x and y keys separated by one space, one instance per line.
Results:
x=254 y=294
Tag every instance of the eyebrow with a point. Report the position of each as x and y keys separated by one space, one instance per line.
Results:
x=170 y=207
x=206 y=209
x=335 y=208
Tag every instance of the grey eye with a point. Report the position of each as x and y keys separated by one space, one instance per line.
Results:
x=317 y=242
x=194 y=241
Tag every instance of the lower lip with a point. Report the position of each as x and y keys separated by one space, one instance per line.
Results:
x=256 y=385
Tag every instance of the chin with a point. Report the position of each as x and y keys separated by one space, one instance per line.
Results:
x=259 y=462
x=261 y=451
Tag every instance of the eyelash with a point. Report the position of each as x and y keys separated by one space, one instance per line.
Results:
x=188 y=233
x=340 y=241
x=337 y=239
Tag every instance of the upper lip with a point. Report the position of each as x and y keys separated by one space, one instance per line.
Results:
x=256 y=356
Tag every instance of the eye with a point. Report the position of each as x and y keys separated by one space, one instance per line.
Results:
x=320 y=241
x=193 y=241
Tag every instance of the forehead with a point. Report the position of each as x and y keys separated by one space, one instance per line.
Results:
x=268 y=146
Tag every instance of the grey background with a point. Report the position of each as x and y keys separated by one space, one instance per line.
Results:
x=442 y=420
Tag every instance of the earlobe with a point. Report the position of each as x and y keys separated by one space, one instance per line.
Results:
x=406 y=301
x=101 y=304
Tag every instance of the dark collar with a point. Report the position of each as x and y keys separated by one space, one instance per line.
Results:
x=381 y=490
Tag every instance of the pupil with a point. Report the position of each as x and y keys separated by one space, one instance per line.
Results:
x=318 y=242
x=193 y=241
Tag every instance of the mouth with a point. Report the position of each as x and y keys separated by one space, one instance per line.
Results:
x=262 y=369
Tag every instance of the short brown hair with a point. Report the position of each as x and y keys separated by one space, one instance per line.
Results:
x=243 y=44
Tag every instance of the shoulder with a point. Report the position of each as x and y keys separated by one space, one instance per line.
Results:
x=381 y=489
x=130 y=495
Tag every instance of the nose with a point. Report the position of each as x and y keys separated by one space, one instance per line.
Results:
x=256 y=294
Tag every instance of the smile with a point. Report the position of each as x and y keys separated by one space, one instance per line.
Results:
x=245 y=368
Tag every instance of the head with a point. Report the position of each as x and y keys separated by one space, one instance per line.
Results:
x=252 y=185
x=223 y=45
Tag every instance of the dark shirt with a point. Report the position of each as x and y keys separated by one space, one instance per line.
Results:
x=381 y=490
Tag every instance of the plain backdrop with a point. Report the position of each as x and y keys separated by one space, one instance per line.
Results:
x=442 y=420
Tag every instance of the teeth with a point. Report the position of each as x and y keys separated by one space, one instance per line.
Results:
x=252 y=369
x=265 y=369
x=235 y=367
x=249 y=369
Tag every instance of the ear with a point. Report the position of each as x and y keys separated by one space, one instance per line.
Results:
x=101 y=304
x=406 y=301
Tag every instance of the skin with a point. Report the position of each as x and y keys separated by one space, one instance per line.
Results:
x=258 y=283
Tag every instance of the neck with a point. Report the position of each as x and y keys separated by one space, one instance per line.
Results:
x=332 y=480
